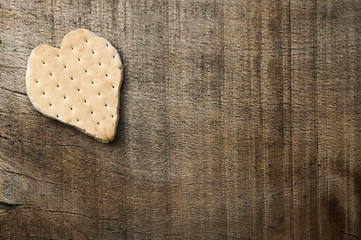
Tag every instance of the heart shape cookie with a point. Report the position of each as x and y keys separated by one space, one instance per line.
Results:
x=78 y=84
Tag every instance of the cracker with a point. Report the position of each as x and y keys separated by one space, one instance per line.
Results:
x=78 y=84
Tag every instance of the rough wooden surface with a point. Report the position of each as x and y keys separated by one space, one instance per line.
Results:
x=239 y=120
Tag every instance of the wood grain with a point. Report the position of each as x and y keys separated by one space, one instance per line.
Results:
x=239 y=120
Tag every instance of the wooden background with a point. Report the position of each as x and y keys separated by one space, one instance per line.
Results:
x=239 y=120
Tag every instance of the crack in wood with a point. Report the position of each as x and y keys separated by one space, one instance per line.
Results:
x=269 y=226
x=27 y=176
x=13 y=91
x=350 y=235
x=8 y=205
x=62 y=211
x=10 y=67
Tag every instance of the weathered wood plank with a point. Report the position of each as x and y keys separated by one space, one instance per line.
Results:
x=239 y=120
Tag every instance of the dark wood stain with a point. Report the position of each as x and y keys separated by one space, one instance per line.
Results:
x=238 y=120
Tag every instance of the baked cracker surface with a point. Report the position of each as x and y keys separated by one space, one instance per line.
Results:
x=78 y=84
